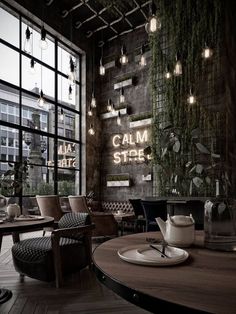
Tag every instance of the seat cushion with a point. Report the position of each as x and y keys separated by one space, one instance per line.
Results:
x=34 y=257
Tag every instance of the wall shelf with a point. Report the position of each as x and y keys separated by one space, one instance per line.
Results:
x=125 y=83
x=113 y=114
x=118 y=183
x=140 y=123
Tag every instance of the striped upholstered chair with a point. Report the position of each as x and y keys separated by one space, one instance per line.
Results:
x=67 y=250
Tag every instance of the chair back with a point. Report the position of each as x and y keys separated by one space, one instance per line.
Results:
x=137 y=207
x=153 y=209
x=78 y=204
x=49 y=205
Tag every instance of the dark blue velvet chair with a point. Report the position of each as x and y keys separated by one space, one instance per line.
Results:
x=153 y=209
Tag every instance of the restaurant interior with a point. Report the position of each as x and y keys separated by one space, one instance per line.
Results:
x=117 y=152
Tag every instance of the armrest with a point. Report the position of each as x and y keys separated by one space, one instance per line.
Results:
x=67 y=232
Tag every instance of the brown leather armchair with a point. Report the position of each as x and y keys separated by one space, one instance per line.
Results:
x=67 y=250
x=105 y=223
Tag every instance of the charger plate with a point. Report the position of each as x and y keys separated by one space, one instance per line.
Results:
x=145 y=255
x=28 y=218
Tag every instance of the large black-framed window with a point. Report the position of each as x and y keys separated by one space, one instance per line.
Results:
x=48 y=137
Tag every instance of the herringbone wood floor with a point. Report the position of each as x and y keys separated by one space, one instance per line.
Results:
x=81 y=293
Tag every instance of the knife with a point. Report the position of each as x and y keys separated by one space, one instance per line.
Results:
x=162 y=253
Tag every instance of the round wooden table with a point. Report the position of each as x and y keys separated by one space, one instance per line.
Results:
x=204 y=283
x=15 y=228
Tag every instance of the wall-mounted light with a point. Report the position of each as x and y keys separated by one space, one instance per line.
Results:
x=28 y=43
x=109 y=105
x=118 y=120
x=191 y=98
x=93 y=101
x=43 y=42
x=71 y=71
x=101 y=68
x=167 y=73
x=123 y=58
x=143 y=60
x=178 y=67
x=122 y=96
x=90 y=112
x=32 y=66
x=70 y=92
x=207 y=52
x=154 y=23
x=41 y=100
x=91 y=130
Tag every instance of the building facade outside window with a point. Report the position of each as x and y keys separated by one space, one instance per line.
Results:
x=29 y=131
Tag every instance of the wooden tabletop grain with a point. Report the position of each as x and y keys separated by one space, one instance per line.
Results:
x=205 y=282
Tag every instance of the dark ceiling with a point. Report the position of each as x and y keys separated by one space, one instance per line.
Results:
x=102 y=20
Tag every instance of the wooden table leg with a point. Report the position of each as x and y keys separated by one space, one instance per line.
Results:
x=15 y=237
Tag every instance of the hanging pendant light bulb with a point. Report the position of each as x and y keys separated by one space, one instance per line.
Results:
x=41 y=101
x=70 y=92
x=90 y=112
x=143 y=61
x=207 y=52
x=122 y=97
x=71 y=71
x=154 y=23
x=178 y=67
x=118 y=120
x=123 y=58
x=32 y=67
x=43 y=42
x=191 y=98
x=27 y=43
x=91 y=130
x=109 y=105
x=167 y=73
x=93 y=101
x=61 y=115
x=101 y=68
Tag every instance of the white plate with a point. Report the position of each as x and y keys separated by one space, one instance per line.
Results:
x=28 y=218
x=144 y=255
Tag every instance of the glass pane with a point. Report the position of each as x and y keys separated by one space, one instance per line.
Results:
x=68 y=94
x=9 y=65
x=40 y=181
x=9 y=28
x=9 y=104
x=68 y=124
x=68 y=154
x=68 y=182
x=64 y=62
x=35 y=117
x=42 y=78
x=47 y=55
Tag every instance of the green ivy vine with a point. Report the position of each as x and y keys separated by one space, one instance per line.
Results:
x=186 y=155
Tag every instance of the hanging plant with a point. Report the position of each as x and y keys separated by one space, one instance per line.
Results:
x=184 y=132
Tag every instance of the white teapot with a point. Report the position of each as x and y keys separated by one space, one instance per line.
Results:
x=178 y=230
x=13 y=210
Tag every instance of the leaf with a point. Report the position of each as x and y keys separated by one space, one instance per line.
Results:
x=188 y=164
x=176 y=179
x=176 y=146
x=215 y=155
x=195 y=133
x=164 y=151
x=9 y=173
x=197 y=181
x=192 y=169
x=202 y=148
x=199 y=168
x=191 y=187
x=208 y=180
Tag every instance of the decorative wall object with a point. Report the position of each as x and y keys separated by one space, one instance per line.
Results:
x=189 y=117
